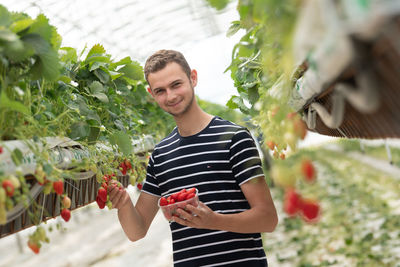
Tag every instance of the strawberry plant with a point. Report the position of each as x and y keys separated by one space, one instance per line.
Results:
x=51 y=91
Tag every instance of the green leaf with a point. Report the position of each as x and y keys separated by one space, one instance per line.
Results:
x=101 y=96
x=48 y=168
x=133 y=70
x=42 y=27
x=103 y=76
x=5 y=102
x=115 y=75
x=97 y=49
x=47 y=65
x=5 y=18
x=68 y=54
x=95 y=65
x=93 y=134
x=96 y=87
x=79 y=130
x=21 y=25
x=17 y=156
x=218 y=4
x=124 y=61
x=234 y=28
x=13 y=47
x=124 y=142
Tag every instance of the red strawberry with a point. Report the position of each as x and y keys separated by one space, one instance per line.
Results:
x=33 y=246
x=58 y=187
x=310 y=209
x=9 y=187
x=271 y=145
x=104 y=185
x=66 y=214
x=190 y=195
x=182 y=196
x=163 y=201
x=139 y=186
x=100 y=203
x=191 y=190
x=308 y=170
x=1 y=149
x=128 y=164
x=123 y=168
x=300 y=128
x=102 y=194
x=175 y=196
x=172 y=201
x=292 y=203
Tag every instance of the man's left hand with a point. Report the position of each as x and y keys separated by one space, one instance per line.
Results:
x=197 y=217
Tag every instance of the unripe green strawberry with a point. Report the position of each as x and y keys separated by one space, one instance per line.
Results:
x=41 y=233
x=9 y=204
x=2 y=196
x=3 y=214
x=14 y=180
x=109 y=204
x=47 y=188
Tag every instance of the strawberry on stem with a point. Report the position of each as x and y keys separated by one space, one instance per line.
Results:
x=9 y=187
x=102 y=194
x=34 y=246
x=58 y=187
x=66 y=214
x=100 y=203
x=308 y=170
x=310 y=210
x=292 y=202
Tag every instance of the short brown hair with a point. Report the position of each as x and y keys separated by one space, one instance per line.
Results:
x=161 y=58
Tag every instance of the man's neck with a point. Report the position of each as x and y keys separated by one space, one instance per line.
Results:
x=193 y=121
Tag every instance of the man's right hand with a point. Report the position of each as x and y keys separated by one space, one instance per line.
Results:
x=119 y=197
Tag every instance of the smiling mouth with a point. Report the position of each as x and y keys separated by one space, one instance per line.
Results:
x=175 y=104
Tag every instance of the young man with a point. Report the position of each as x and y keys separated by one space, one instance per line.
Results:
x=217 y=157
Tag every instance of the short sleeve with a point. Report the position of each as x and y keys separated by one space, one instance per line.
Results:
x=150 y=185
x=244 y=158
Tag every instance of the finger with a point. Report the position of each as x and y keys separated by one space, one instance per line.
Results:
x=117 y=197
x=112 y=192
x=183 y=214
x=179 y=220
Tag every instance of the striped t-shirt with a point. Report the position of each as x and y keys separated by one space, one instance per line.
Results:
x=216 y=161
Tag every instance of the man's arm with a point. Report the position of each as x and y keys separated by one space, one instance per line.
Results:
x=261 y=217
x=135 y=220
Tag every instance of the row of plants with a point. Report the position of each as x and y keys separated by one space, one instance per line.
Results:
x=360 y=222
x=51 y=91
x=350 y=209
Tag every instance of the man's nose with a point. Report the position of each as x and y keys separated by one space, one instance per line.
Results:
x=170 y=96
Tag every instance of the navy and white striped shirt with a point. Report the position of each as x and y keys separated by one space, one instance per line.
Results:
x=217 y=161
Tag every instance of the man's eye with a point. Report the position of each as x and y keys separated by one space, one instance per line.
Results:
x=176 y=84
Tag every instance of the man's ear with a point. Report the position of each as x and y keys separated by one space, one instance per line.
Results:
x=193 y=77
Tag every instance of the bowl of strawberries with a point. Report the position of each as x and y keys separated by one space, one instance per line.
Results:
x=169 y=204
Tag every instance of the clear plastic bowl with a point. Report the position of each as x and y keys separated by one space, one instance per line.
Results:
x=170 y=210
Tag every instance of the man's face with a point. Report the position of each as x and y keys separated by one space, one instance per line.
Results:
x=172 y=89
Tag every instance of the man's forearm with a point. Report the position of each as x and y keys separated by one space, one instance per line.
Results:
x=249 y=221
x=132 y=222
